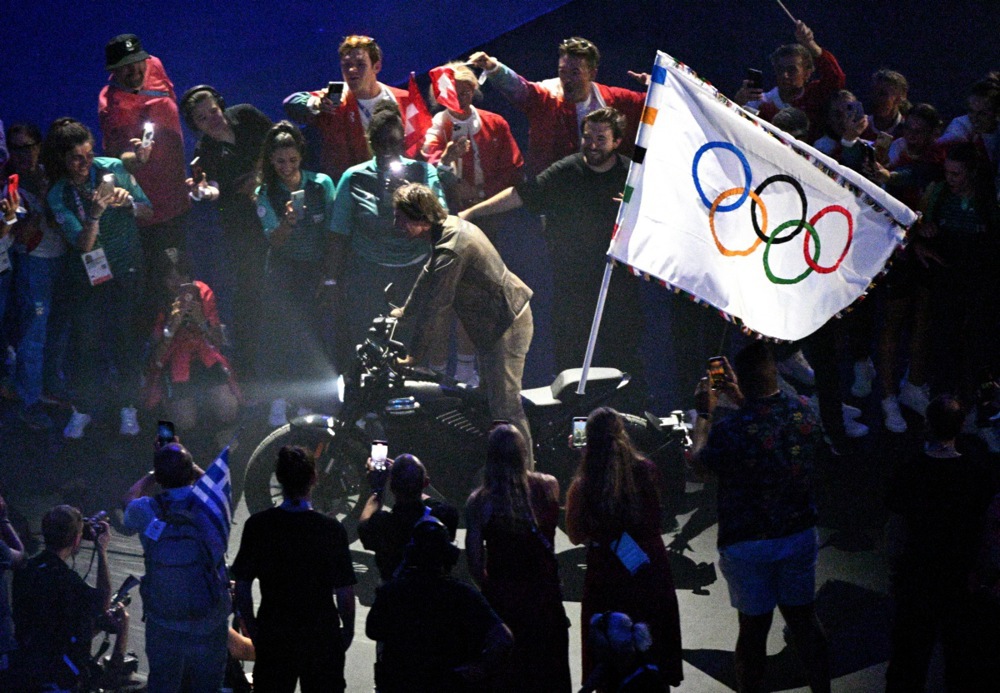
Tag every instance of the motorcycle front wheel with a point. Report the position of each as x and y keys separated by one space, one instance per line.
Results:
x=339 y=489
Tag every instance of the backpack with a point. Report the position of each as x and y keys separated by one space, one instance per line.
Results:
x=182 y=581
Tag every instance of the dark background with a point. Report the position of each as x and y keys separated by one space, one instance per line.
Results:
x=258 y=52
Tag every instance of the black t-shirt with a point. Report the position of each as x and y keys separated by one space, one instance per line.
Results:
x=580 y=213
x=228 y=164
x=300 y=558
x=387 y=533
x=943 y=503
x=429 y=624
x=54 y=616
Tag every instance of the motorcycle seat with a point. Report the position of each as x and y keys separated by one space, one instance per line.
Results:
x=563 y=388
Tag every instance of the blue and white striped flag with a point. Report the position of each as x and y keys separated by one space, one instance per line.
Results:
x=215 y=492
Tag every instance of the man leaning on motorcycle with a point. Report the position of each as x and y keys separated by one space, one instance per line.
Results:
x=466 y=273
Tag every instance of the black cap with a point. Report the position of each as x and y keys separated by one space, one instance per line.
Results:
x=123 y=49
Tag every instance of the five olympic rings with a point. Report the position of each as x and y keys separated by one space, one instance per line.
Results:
x=760 y=227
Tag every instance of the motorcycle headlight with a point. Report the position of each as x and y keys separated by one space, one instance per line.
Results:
x=340 y=388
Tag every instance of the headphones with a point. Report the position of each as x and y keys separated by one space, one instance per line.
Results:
x=187 y=102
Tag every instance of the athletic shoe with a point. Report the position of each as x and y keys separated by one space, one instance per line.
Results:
x=279 y=412
x=849 y=413
x=797 y=368
x=894 y=420
x=130 y=422
x=35 y=418
x=855 y=429
x=864 y=374
x=74 y=427
x=914 y=397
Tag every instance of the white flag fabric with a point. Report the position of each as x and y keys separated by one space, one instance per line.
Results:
x=736 y=213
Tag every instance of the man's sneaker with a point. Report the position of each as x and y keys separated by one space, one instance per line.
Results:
x=130 y=422
x=914 y=397
x=77 y=422
x=847 y=411
x=864 y=374
x=279 y=412
x=797 y=368
x=855 y=429
x=894 y=420
x=35 y=418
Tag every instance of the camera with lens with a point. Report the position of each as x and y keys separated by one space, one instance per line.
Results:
x=92 y=527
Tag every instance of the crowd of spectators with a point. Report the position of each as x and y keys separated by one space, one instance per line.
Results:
x=128 y=324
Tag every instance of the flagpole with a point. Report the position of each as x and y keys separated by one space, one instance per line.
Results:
x=594 y=327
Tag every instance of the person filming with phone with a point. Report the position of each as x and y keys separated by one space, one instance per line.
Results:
x=296 y=210
x=763 y=455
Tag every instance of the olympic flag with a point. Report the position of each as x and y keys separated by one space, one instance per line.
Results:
x=731 y=210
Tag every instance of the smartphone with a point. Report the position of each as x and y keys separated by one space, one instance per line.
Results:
x=107 y=185
x=196 y=170
x=13 y=180
x=165 y=432
x=579 y=431
x=457 y=132
x=335 y=91
x=147 y=135
x=717 y=371
x=299 y=204
x=380 y=452
x=755 y=79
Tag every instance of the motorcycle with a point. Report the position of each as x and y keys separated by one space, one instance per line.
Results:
x=442 y=422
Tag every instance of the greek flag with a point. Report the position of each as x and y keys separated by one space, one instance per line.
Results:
x=730 y=210
x=215 y=492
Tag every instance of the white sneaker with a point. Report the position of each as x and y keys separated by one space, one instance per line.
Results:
x=864 y=374
x=130 y=422
x=77 y=422
x=849 y=413
x=855 y=429
x=797 y=368
x=894 y=420
x=279 y=412
x=915 y=397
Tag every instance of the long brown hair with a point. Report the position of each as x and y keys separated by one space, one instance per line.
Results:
x=611 y=473
x=506 y=480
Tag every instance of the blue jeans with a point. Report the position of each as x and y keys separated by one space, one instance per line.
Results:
x=175 y=656
x=34 y=281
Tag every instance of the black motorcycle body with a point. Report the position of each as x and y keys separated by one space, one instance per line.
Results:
x=440 y=421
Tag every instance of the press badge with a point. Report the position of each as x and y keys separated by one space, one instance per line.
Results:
x=98 y=270
x=154 y=529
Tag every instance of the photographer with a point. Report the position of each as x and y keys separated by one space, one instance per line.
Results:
x=55 y=611
x=188 y=374
x=12 y=557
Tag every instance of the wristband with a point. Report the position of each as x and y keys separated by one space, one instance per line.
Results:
x=10 y=222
